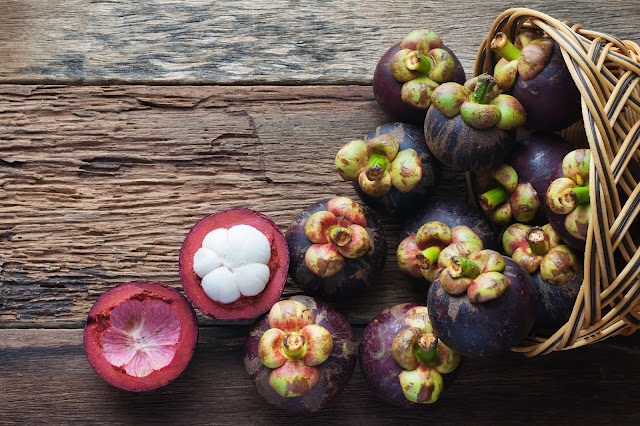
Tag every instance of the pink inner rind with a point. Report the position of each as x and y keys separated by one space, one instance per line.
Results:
x=245 y=307
x=98 y=322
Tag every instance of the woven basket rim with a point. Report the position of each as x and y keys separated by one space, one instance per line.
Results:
x=607 y=73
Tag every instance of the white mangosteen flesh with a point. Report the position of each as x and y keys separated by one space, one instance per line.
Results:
x=141 y=337
x=233 y=262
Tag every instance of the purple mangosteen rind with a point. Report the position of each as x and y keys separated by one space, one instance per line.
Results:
x=377 y=364
x=387 y=90
x=334 y=372
x=555 y=302
x=395 y=202
x=488 y=328
x=357 y=274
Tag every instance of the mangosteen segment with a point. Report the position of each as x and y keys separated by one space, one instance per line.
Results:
x=378 y=165
x=140 y=335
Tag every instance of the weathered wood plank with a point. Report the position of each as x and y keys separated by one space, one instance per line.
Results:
x=100 y=185
x=46 y=378
x=251 y=42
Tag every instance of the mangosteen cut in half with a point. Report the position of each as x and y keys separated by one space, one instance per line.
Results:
x=233 y=264
x=140 y=335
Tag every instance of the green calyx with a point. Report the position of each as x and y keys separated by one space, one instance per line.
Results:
x=422 y=40
x=530 y=61
x=417 y=92
x=527 y=245
x=437 y=64
x=524 y=203
x=559 y=265
x=379 y=165
x=480 y=276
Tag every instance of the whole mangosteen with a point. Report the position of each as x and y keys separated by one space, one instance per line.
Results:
x=392 y=169
x=409 y=71
x=140 y=335
x=337 y=248
x=402 y=360
x=472 y=127
x=233 y=264
x=539 y=78
x=568 y=201
x=556 y=270
x=443 y=228
x=482 y=305
x=301 y=354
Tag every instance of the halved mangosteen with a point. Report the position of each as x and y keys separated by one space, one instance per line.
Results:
x=140 y=335
x=233 y=264
x=301 y=354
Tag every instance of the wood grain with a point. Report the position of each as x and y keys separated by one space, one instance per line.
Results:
x=49 y=379
x=246 y=41
x=100 y=185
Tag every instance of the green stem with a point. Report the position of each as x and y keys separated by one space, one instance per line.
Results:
x=493 y=198
x=428 y=257
x=416 y=61
x=340 y=235
x=377 y=166
x=582 y=194
x=294 y=343
x=427 y=348
x=536 y=238
x=463 y=267
x=501 y=44
x=484 y=87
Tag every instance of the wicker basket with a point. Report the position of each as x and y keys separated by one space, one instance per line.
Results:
x=607 y=73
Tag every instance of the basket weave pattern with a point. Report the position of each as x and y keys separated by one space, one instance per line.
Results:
x=607 y=73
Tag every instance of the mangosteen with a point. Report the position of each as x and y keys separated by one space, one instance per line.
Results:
x=482 y=305
x=392 y=169
x=301 y=354
x=409 y=71
x=337 y=248
x=233 y=264
x=556 y=270
x=140 y=335
x=445 y=227
x=516 y=189
x=402 y=360
x=568 y=202
x=472 y=127
x=539 y=78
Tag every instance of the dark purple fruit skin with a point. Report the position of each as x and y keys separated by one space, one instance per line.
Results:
x=461 y=147
x=489 y=328
x=377 y=365
x=557 y=220
x=387 y=89
x=356 y=276
x=555 y=302
x=335 y=372
x=396 y=202
x=534 y=157
x=452 y=212
x=551 y=98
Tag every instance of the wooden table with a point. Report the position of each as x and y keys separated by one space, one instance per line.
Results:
x=124 y=123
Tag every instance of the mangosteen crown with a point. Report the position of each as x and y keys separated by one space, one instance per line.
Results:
x=480 y=104
x=479 y=275
x=528 y=61
x=337 y=233
x=423 y=358
x=293 y=347
x=378 y=165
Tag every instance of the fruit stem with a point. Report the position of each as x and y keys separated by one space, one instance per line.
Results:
x=571 y=197
x=377 y=166
x=427 y=348
x=501 y=44
x=428 y=257
x=582 y=194
x=463 y=267
x=416 y=61
x=493 y=198
x=484 y=87
x=536 y=237
x=293 y=344
x=340 y=235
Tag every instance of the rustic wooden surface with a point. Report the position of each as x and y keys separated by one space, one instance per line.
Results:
x=222 y=104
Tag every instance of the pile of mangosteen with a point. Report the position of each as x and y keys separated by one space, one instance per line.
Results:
x=493 y=271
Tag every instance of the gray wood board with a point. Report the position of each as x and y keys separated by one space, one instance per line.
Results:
x=249 y=42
